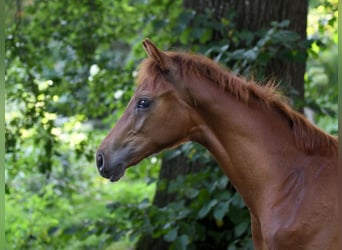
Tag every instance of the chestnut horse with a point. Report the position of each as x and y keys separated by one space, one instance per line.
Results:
x=284 y=167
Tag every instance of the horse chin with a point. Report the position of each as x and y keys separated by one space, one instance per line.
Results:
x=119 y=171
x=115 y=172
x=122 y=162
x=116 y=177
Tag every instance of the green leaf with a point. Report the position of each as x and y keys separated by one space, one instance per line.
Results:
x=240 y=229
x=251 y=54
x=220 y=210
x=191 y=193
x=171 y=235
x=237 y=200
x=222 y=183
x=207 y=35
x=207 y=208
x=181 y=243
x=184 y=36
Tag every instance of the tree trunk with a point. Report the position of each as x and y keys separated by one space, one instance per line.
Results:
x=259 y=14
x=170 y=169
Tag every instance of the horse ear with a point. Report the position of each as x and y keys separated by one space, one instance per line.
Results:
x=159 y=56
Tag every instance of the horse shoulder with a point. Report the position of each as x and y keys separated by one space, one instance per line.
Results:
x=303 y=215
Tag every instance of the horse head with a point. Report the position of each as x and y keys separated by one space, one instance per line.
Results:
x=157 y=117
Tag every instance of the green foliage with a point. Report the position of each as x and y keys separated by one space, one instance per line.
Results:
x=69 y=75
x=321 y=78
x=248 y=53
x=52 y=220
x=207 y=212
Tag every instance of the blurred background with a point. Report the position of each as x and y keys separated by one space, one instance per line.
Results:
x=70 y=68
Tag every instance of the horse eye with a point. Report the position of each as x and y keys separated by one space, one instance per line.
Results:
x=143 y=103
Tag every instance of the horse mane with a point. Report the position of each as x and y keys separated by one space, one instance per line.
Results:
x=307 y=136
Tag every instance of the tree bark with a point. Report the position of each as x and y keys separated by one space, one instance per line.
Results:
x=258 y=14
x=255 y=15
x=170 y=169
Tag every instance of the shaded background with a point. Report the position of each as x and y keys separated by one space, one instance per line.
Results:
x=70 y=68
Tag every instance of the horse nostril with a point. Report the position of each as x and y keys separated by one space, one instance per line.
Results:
x=100 y=160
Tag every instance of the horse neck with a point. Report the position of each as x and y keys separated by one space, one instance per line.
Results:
x=250 y=143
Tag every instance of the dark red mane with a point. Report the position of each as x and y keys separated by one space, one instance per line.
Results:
x=308 y=137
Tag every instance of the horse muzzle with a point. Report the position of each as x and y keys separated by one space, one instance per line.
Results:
x=109 y=169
